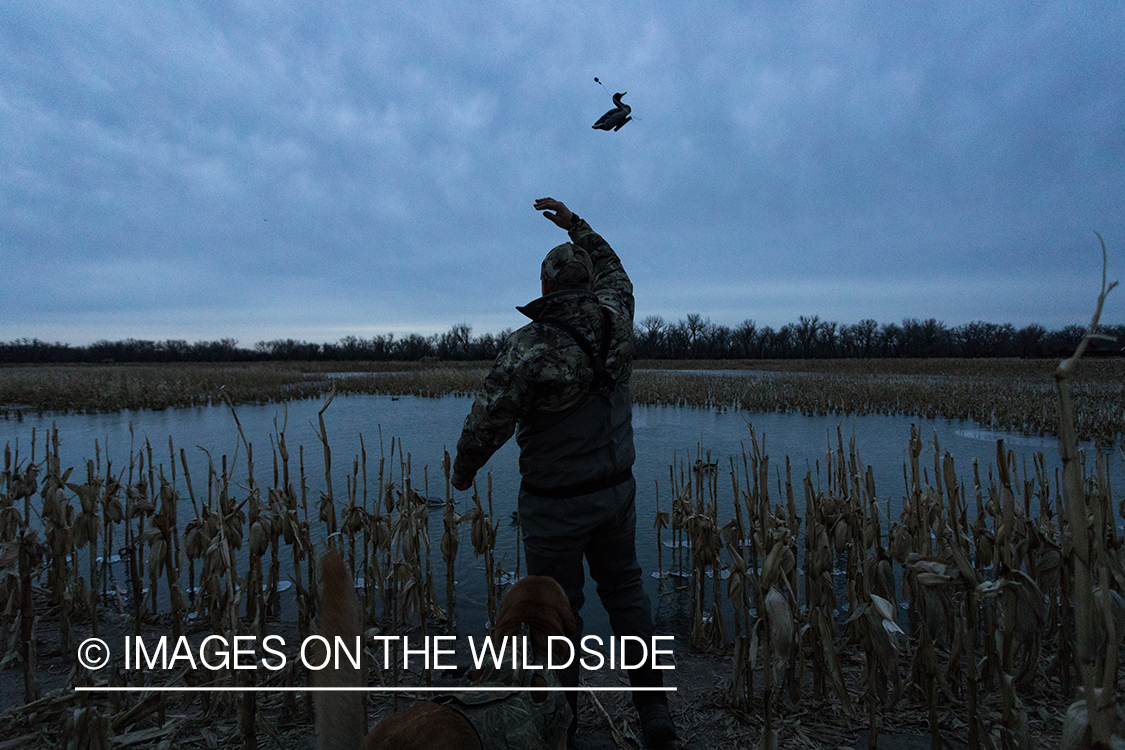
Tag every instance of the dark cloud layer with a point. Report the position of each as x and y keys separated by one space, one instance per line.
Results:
x=276 y=169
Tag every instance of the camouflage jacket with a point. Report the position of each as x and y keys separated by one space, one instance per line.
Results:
x=541 y=369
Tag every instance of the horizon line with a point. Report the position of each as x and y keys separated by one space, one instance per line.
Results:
x=290 y=689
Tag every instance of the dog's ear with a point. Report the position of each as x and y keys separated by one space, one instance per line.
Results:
x=553 y=599
x=539 y=696
x=540 y=603
x=341 y=718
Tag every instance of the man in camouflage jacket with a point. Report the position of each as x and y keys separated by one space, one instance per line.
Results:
x=563 y=379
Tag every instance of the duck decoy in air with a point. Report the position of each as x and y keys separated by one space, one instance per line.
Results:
x=616 y=117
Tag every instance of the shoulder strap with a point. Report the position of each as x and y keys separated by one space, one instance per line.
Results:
x=601 y=375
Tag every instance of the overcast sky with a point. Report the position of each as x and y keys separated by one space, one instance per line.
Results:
x=286 y=170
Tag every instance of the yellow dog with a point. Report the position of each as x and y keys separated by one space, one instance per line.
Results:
x=460 y=721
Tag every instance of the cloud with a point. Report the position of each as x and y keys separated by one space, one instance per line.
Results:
x=369 y=167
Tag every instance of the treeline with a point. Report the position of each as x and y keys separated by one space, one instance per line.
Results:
x=456 y=344
x=694 y=337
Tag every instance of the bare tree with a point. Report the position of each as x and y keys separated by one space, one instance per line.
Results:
x=1028 y=341
x=652 y=330
x=745 y=336
x=890 y=340
x=828 y=339
x=695 y=325
x=866 y=336
x=806 y=334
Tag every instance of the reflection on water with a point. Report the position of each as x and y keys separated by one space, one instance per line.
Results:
x=428 y=426
x=1034 y=442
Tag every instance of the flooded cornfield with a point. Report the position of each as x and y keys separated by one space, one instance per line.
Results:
x=374 y=429
x=848 y=548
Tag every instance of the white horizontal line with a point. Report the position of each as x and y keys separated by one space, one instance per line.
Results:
x=158 y=689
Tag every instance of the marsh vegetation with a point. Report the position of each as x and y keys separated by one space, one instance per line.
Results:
x=997 y=393
x=976 y=600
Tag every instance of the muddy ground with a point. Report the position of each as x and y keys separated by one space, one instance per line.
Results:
x=699 y=705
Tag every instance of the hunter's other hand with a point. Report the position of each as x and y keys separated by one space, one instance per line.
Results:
x=556 y=211
x=460 y=483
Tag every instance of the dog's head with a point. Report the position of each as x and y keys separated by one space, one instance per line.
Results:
x=538 y=602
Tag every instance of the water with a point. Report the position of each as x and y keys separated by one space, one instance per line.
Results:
x=428 y=426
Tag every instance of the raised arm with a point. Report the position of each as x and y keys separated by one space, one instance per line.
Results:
x=611 y=283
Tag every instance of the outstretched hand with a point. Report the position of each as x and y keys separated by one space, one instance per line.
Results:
x=556 y=211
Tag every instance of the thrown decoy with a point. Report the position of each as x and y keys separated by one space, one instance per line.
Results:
x=616 y=117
